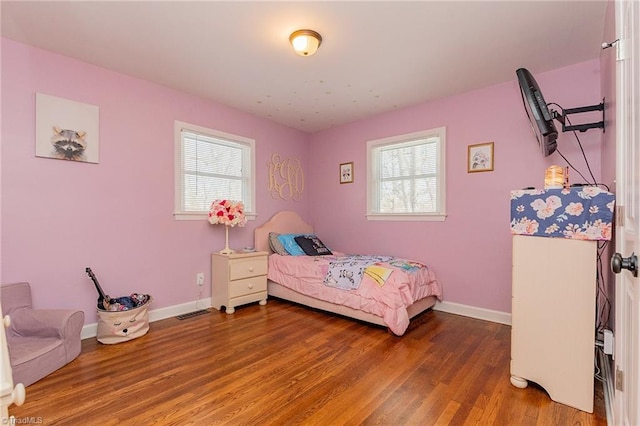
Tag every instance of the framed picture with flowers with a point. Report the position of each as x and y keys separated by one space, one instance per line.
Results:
x=480 y=157
x=346 y=172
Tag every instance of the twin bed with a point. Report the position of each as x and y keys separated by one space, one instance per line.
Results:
x=404 y=290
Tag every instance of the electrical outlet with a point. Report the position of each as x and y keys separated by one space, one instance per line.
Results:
x=200 y=279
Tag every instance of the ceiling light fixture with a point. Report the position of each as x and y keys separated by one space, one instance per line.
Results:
x=305 y=42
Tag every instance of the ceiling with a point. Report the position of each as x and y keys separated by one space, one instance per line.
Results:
x=376 y=56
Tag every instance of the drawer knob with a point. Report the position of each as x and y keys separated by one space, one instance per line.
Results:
x=250 y=268
x=250 y=285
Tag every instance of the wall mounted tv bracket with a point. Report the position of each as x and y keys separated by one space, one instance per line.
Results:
x=580 y=127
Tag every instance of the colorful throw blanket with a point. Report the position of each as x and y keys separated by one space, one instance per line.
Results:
x=346 y=271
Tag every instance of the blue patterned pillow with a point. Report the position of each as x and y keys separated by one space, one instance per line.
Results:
x=290 y=245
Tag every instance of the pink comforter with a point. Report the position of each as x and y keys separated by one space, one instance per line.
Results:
x=305 y=274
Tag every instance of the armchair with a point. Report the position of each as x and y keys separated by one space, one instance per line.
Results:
x=40 y=341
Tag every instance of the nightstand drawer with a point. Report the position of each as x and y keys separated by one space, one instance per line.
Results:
x=247 y=286
x=246 y=268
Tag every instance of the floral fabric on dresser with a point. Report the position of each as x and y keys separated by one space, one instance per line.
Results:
x=583 y=213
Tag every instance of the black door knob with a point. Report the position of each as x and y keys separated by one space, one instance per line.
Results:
x=618 y=263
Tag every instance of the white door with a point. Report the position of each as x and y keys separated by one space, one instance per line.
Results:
x=627 y=304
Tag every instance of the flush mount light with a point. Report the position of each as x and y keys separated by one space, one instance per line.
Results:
x=305 y=42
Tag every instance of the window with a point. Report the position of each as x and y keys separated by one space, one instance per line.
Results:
x=212 y=165
x=407 y=177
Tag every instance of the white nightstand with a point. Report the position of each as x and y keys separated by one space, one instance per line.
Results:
x=237 y=279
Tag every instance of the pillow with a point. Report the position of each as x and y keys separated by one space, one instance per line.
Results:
x=275 y=244
x=312 y=245
x=290 y=244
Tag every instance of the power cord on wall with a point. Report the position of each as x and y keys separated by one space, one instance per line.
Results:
x=199 y=303
x=575 y=134
x=603 y=305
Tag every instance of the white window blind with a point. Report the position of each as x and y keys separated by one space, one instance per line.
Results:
x=212 y=166
x=406 y=177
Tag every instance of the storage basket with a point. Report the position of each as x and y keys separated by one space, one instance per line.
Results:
x=122 y=326
x=120 y=319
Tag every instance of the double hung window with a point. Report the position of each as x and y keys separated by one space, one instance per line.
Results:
x=212 y=165
x=407 y=177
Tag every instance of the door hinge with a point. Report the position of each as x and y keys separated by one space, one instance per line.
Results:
x=619 y=216
x=619 y=379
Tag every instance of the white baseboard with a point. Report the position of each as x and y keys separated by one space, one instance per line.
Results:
x=91 y=330
x=473 y=312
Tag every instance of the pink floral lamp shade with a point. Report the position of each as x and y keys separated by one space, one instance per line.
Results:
x=228 y=213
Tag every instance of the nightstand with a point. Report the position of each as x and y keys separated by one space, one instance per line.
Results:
x=237 y=279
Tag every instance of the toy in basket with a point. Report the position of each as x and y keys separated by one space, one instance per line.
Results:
x=123 y=318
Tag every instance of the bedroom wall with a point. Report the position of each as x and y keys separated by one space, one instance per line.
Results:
x=608 y=83
x=116 y=216
x=471 y=250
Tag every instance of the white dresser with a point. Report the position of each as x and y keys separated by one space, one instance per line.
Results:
x=553 y=317
x=237 y=279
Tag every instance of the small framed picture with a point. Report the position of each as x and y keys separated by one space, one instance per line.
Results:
x=346 y=172
x=480 y=157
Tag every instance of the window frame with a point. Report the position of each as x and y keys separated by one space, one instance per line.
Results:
x=249 y=144
x=373 y=176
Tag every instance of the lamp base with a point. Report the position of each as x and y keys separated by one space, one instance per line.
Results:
x=226 y=249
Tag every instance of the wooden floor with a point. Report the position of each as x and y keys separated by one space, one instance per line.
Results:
x=283 y=364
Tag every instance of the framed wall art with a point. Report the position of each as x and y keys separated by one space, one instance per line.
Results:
x=346 y=172
x=66 y=130
x=286 y=178
x=480 y=157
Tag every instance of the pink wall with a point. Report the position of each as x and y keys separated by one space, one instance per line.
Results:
x=608 y=82
x=116 y=216
x=470 y=251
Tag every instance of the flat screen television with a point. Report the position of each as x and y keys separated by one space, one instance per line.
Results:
x=539 y=115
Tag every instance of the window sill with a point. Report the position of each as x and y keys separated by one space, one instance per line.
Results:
x=204 y=216
x=408 y=217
